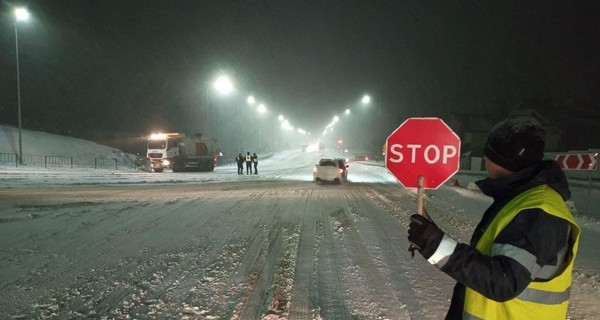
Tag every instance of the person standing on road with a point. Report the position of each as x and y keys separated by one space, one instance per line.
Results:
x=248 y=163
x=255 y=162
x=520 y=260
x=240 y=163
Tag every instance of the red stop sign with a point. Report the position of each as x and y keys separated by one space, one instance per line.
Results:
x=423 y=147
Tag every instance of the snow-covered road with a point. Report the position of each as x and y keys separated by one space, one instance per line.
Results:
x=79 y=244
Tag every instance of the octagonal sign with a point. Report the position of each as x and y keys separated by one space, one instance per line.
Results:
x=423 y=147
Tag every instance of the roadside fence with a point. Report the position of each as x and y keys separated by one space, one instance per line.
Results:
x=55 y=161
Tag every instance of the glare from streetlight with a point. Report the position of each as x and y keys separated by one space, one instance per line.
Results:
x=21 y=14
x=280 y=118
x=262 y=108
x=347 y=112
x=251 y=101
x=223 y=85
x=286 y=125
x=366 y=99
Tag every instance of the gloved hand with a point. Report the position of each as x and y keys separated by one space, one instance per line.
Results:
x=424 y=235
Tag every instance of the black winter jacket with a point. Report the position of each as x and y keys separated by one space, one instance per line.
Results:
x=501 y=278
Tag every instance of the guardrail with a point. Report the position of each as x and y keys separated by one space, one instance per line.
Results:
x=65 y=161
x=9 y=158
x=103 y=162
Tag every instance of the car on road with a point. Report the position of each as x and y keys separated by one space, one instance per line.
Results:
x=342 y=164
x=330 y=170
x=361 y=158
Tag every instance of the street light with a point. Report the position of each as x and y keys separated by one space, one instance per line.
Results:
x=223 y=85
x=366 y=99
x=21 y=14
x=261 y=108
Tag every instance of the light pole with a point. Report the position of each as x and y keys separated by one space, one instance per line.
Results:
x=345 y=129
x=21 y=14
x=261 y=110
x=366 y=99
x=281 y=120
x=224 y=86
x=251 y=101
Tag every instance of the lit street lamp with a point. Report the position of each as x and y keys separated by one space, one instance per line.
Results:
x=21 y=14
x=366 y=99
x=261 y=108
x=223 y=85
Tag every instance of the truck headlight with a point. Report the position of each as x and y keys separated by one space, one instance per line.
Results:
x=166 y=163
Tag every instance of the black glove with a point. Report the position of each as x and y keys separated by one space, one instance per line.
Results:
x=424 y=235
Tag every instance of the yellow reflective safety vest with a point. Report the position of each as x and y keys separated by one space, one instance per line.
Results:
x=546 y=300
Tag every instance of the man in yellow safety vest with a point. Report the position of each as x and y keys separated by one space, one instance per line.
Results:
x=519 y=262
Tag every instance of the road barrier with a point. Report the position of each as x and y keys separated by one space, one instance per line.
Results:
x=9 y=158
x=103 y=162
x=54 y=161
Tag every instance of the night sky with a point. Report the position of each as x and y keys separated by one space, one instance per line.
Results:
x=109 y=69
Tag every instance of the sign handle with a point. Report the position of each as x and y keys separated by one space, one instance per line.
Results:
x=420 y=209
x=421 y=198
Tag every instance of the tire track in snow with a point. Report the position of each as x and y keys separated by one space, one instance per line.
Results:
x=414 y=275
x=378 y=291
x=332 y=304
x=302 y=301
x=252 y=303
x=110 y=296
x=207 y=288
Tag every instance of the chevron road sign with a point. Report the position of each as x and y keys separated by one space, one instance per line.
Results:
x=577 y=161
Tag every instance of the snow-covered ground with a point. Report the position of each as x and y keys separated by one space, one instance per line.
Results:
x=117 y=244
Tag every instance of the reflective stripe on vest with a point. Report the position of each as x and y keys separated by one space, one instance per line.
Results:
x=529 y=261
x=545 y=297
x=541 y=299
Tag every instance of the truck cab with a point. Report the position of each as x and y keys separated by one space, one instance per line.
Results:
x=181 y=153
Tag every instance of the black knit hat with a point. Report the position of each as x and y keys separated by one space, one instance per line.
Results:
x=515 y=143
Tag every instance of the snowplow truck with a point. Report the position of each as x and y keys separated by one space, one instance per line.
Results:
x=181 y=153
